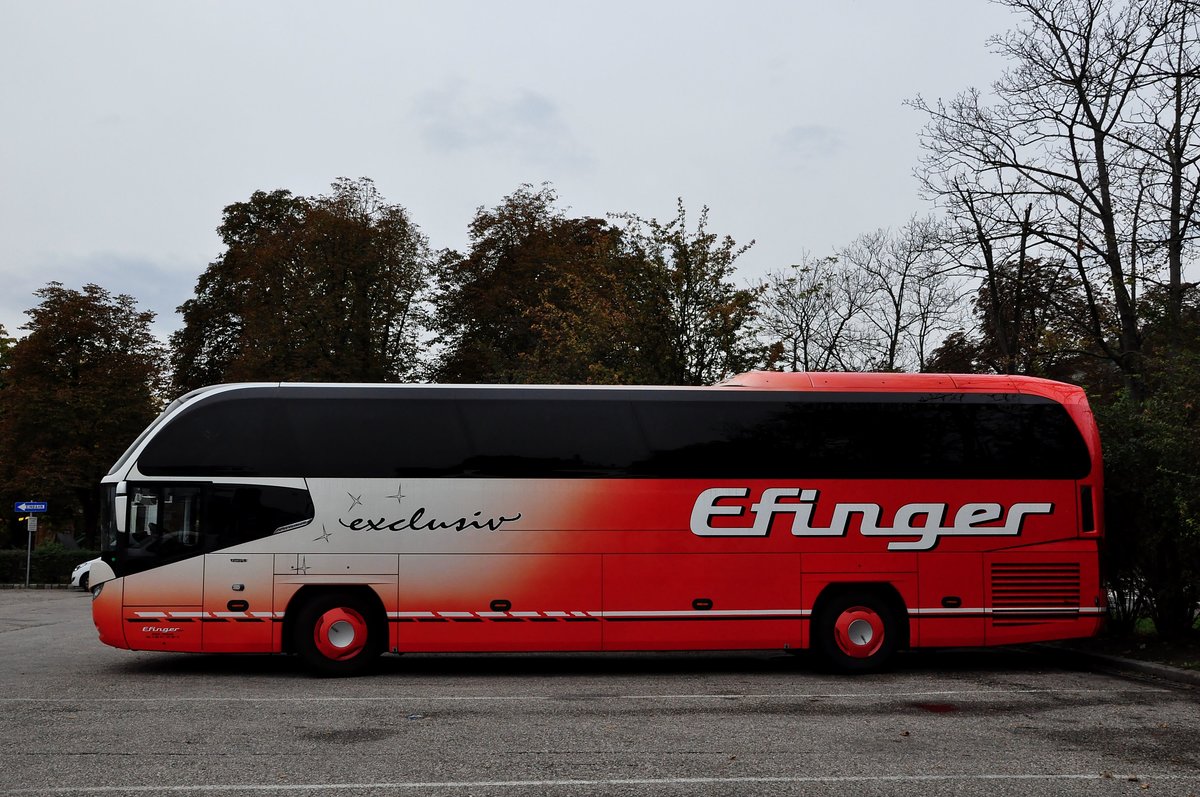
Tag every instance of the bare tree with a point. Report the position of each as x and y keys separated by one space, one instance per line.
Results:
x=883 y=303
x=1164 y=134
x=809 y=314
x=911 y=297
x=987 y=234
x=1055 y=142
x=936 y=301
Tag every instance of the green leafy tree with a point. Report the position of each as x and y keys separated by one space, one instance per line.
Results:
x=6 y=344
x=322 y=288
x=1152 y=551
x=485 y=296
x=1027 y=322
x=586 y=320
x=214 y=338
x=5 y=347
x=540 y=297
x=1152 y=555
x=697 y=322
x=79 y=388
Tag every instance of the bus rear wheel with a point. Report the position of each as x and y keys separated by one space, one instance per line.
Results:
x=856 y=632
x=334 y=635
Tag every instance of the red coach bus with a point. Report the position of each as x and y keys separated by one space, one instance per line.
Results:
x=854 y=514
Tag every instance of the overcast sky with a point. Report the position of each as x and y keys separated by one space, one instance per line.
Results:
x=125 y=127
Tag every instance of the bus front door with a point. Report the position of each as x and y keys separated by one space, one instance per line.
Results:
x=237 y=602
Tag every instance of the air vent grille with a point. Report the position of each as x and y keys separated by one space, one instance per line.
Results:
x=1028 y=592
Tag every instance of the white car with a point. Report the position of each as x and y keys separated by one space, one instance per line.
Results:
x=79 y=576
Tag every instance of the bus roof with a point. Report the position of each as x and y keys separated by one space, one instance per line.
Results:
x=881 y=382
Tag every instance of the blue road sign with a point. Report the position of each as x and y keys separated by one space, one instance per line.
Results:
x=30 y=506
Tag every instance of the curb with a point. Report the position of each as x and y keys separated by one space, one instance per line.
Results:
x=35 y=586
x=1120 y=665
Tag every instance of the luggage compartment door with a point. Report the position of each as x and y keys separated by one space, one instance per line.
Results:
x=702 y=601
x=498 y=602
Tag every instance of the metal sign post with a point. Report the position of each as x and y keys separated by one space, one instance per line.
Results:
x=32 y=524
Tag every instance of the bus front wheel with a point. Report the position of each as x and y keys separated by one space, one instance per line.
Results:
x=334 y=635
x=856 y=632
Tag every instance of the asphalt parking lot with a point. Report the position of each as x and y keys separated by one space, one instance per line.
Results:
x=81 y=718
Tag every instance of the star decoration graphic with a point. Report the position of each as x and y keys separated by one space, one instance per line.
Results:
x=301 y=566
x=355 y=500
x=325 y=534
x=399 y=496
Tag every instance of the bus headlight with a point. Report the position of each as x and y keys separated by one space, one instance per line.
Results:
x=96 y=590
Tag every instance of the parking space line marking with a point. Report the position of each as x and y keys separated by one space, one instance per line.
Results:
x=608 y=782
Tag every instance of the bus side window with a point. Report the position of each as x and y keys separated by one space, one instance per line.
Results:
x=177 y=529
x=241 y=513
x=164 y=525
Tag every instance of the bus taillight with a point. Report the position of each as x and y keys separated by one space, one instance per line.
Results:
x=1087 y=515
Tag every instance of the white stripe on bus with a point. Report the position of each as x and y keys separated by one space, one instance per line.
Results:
x=645 y=614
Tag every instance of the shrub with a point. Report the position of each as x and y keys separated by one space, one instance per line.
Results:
x=50 y=564
x=1152 y=554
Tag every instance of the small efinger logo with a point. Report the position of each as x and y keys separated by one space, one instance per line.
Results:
x=921 y=521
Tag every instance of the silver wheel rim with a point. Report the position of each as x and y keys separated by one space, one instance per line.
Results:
x=341 y=634
x=860 y=632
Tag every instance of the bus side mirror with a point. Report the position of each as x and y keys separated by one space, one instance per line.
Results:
x=121 y=506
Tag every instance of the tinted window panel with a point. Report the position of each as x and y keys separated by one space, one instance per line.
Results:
x=240 y=513
x=228 y=435
x=571 y=438
x=939 y=437
x=377 y=436
x=443 y=432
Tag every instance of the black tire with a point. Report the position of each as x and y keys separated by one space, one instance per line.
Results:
x=856 y=632
x=338 y=634
x=83 y=581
